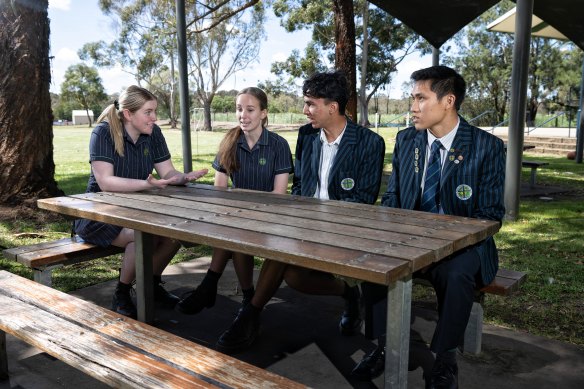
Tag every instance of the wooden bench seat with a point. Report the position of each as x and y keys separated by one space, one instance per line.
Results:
x=43 y=257
x=505 y=283
x=114 y=349
x=533 y=165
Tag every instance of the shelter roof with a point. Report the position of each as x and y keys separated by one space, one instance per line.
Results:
x=438 y=20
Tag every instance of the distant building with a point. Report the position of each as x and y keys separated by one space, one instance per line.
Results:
x=79 y=116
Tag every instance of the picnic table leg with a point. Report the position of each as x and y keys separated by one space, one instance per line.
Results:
x=144 y=284
x=532 y=178
x=3 y=357
x=399 y=299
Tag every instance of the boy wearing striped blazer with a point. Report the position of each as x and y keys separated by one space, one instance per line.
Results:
x=467 y=179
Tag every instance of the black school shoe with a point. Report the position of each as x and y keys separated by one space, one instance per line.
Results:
x=351 y=322
x=122 y=302
x=243 y=331
x=371 y=366
x=444 y=375
x=195 y=301
x=162 y=296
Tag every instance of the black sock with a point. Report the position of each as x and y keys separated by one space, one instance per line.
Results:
x=255 y=311
x=123 y=288
x=248 y=293
x=351 y=292
x=211 y=278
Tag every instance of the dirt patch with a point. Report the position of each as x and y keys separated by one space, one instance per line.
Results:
x=28 y=213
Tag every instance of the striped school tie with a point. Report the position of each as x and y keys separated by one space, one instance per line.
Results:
x=431 y=195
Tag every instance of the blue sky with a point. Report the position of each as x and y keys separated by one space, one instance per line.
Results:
x=76 y=22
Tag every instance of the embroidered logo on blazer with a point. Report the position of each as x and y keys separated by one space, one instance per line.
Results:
x=463 y=192
x=347 y=183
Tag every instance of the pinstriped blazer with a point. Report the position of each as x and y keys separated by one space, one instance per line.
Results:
x=356 y=171
x=471 y=185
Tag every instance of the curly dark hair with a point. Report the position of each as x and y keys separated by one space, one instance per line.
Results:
x=331 y=86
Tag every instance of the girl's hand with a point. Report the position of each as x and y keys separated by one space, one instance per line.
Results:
x=159 y=183
x=195 y=175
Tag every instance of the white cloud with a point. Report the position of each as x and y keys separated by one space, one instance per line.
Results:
x=115 y=79
x=400 y=84
x=66 y=55
x=64 y=5
x=280 y=57
x=64 y=58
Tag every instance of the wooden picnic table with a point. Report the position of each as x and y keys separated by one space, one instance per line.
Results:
x=370 y=243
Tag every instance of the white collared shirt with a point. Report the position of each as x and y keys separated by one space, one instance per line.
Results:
x=327 y=156
x=446 y=141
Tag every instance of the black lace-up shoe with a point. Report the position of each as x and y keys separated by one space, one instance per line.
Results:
x=351 y=322
x=444 y=375
x=164 y=297
x=371 y=366
x=242 y=333
x=194 y=301
x=122 y=301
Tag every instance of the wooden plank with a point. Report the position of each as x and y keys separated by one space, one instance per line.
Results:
x=316 y=256
x=506 y=282
x=307 y=220
x=155 y=344
x=13 y=253
x=500 y=286
x=63 y=251
x=95 y=355
x=512 y=274
x=370 y=240
x=66 y=255
x=329 y=209
x=323 y=232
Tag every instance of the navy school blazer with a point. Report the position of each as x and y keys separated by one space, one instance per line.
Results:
x=471 y=185
x=356 y=171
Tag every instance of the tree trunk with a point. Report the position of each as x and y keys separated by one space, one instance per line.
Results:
x=171 y=110
x=345 y=49
x=207 y=115
x=363 y=101
x=27 y=168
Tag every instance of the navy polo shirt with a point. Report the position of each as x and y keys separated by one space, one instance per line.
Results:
x=138 y=160
x=269 y=157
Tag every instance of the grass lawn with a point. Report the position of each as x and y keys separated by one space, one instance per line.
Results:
x=546 y=241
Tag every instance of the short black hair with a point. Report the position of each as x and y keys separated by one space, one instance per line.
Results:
x=331 y=86
x=444 y=80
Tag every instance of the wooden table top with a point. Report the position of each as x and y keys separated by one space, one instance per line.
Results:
x=367 y=242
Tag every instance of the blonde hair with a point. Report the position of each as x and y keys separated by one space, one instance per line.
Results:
x=228 y=146
x=132 y=99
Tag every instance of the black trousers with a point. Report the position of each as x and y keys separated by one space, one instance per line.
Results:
x=454 y=280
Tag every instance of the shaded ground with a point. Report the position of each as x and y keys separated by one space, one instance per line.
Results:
x=300 y=340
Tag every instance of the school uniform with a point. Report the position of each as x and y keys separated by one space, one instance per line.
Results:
x=471 y=185
x=355 y=172
x=269 y=157
x=137 y=163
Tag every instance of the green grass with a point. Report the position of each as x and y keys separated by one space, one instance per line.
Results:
x=546 y=241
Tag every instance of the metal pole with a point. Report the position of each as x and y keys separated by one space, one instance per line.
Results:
x=580 y=121
x=181 y=34
x=435 y=56
x=517 y=111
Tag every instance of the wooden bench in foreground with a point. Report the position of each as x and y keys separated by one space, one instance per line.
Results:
x=114 y=349
x=506 y=282
x=43 y=257
x=533 y=165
